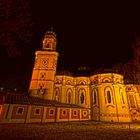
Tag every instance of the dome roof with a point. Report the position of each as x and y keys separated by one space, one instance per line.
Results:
x=64 y=72
x=83 y=71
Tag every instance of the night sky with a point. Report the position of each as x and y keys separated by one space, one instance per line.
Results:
x=89 y=33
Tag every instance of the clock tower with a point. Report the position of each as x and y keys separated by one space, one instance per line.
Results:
x=43 y=75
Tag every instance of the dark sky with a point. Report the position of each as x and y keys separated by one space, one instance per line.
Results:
x=89 y=33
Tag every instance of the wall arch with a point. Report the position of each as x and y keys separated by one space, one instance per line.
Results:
x=57 y=94
x=69 y=96
x=95 y=96
x=106 y=80
x=82 y=96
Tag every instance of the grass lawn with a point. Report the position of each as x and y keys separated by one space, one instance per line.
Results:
x=87 y=130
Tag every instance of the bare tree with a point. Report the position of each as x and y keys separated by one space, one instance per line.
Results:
x=15 y=25
x=136 y=57
x=131 y=69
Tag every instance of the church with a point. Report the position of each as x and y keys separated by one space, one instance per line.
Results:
x=59 y=97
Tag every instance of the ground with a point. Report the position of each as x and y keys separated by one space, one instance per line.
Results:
x=87 y=130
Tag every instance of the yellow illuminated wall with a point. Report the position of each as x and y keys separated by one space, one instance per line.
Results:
x=72 y=90
x=108 y=98
x=105 y=94
x=42 y=82
x=133 y=96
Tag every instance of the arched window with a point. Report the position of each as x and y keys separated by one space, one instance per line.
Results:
x=42 y=76
x=108 y=96
x=69 y=96
x=82 y=98
x=48 y=45
x=41 y=89
x=106 y=80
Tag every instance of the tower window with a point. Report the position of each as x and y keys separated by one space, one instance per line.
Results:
x=41 y=90
x=41 y=85
x=48 y=46
x=43 y=76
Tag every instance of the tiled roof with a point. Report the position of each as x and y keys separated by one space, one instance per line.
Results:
x=14 y=98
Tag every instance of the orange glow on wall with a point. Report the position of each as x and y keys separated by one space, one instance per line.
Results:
x=0 y=109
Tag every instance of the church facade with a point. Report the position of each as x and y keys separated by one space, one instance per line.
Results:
x=60 y=97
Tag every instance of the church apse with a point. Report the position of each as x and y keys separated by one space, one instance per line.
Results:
x=108 y=98
x=64 y=97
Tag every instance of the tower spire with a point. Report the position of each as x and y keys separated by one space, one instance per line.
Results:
x=49 y=41
x=42 y=82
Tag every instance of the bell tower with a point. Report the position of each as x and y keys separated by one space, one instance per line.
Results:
x=43 y=75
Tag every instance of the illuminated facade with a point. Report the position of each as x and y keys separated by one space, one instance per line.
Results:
x=42 y=83
x=105 y=94
x=61 y=97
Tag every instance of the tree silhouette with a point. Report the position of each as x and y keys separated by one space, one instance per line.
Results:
x=16 y=37
x=16 y=26
x=136 y=57
x=131 y=69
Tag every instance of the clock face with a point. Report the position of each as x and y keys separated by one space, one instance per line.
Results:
x=44 y=63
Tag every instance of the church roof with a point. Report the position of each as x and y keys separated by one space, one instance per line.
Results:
x=102 y=70
x=24 y=99
x=64 y=72
x=83 y=71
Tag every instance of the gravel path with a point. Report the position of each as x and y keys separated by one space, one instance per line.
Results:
x=70 y=131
